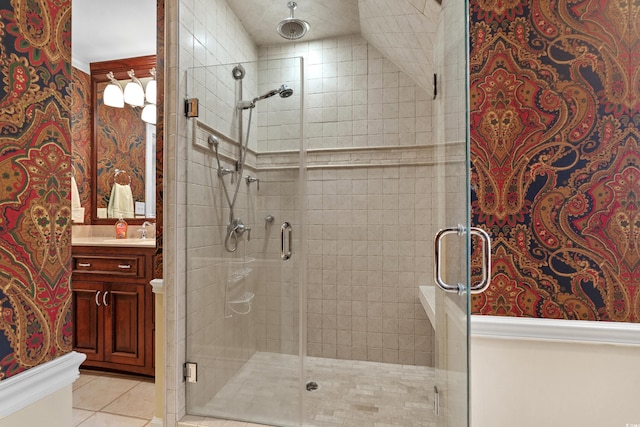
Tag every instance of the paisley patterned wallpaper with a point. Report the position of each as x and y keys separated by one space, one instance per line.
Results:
x=555 y=128
x=81 y=121
x=35 y=175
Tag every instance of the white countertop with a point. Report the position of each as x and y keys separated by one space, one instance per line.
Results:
x=112 y=241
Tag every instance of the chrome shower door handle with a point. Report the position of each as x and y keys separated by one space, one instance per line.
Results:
x=286 y=227
x=486 y=260
x=458 y=288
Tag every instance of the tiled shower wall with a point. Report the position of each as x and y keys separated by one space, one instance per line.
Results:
x=369 y=211
x=198 y=34
x=404 y=31
x=357 y=102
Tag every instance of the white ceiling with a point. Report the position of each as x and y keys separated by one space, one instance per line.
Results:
x=114 y=29
x=327 y=18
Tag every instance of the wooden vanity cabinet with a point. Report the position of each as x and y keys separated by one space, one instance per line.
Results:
x=113 y=311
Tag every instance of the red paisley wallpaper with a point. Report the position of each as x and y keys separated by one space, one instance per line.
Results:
x=35 y=175
x=81 y=122
x=555 y=128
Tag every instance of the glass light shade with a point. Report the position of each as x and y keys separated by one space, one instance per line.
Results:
x=151 y=91
x=133 y=94
x=148 y=114
x=113 y=96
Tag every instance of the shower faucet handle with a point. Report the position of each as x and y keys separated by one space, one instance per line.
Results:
x=239 y=228
x=251 y=179
x=224 y=171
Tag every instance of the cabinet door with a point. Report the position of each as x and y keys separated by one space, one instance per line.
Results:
x=124 y=324
x=87 y=319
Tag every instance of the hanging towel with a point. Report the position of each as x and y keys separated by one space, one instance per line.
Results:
x=120 y=202
x=77 y=211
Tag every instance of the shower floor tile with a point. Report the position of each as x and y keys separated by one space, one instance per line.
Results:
x=350 y=393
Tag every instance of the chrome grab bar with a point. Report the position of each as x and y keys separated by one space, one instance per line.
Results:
x=286 y=227
x=486 y=259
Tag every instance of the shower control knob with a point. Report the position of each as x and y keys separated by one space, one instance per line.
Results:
x=239 y=228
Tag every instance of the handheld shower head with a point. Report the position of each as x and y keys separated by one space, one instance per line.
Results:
x=284 y=91
x=268 y=94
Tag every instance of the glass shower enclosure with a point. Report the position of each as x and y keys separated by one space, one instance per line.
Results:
x=315 y=191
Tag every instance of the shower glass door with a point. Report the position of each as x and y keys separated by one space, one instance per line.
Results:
x=449 y=309
x=244 y=241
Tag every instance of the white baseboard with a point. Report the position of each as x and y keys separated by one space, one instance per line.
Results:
x=26 y=388
x=616 y=333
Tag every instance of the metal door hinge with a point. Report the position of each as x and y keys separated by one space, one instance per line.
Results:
x=190 y=372
x=191 y=107
x=436 y=401
x=435 y=86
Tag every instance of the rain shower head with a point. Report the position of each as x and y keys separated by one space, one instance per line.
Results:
x=284 y=91
x=292 y=28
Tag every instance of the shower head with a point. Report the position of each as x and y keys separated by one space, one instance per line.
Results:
x=284 y=91
x=268 y=94
x=292 y=28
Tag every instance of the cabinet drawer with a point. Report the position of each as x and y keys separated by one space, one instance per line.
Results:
x=125 y=265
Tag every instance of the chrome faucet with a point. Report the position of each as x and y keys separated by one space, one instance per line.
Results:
x=143 y=230
x=235 y=230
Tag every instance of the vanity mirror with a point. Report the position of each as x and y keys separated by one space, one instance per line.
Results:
x=106 y=39
x=124 y=149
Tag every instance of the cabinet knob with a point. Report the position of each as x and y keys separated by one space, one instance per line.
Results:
x=84 y=264
x=104 y=299
x=98 y=298
x=124 y=266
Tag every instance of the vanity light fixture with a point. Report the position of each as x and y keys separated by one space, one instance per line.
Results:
x=113 y=95
x=133 y=94
x=133 y=91
x=148 y=114
x=149 y=111
x=152 y=87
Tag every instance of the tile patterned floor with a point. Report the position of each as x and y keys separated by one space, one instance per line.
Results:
x=103 y=399
x=350 y=393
